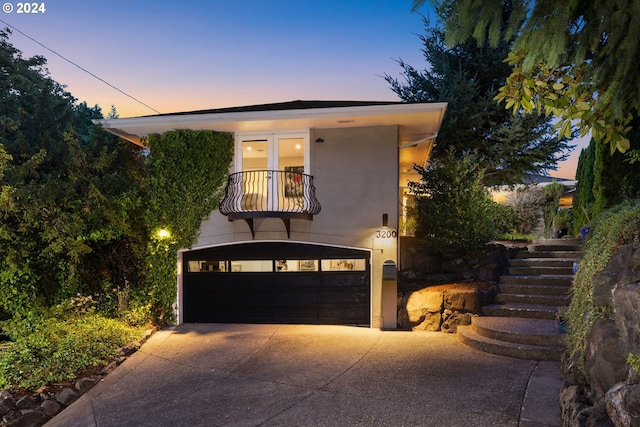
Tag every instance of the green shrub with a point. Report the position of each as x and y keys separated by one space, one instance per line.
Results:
x=611 y=230
x=455 y=211
x=528 y=204
x=47 y=348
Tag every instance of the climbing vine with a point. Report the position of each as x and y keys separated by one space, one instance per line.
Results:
x=187 y=171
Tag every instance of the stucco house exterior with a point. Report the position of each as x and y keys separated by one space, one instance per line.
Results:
x=308 y=229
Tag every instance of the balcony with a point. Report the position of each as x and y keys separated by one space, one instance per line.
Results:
x=270 y=194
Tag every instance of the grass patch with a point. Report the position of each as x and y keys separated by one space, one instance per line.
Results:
x=49 y=348
x=611 y=230
x=516 y=236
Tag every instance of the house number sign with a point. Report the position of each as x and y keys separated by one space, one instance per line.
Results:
x=386 y=234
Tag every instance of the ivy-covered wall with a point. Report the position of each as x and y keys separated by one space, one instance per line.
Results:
x=187 y=173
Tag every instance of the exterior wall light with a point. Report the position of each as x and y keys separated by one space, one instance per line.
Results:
x=385 y=220
x=163 y=233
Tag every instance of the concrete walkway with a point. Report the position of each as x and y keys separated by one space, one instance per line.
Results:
x=300 y=375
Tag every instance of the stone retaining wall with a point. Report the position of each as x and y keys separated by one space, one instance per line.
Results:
x=610 y=394
x=439 y=291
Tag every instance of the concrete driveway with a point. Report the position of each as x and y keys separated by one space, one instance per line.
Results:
x=301 y=375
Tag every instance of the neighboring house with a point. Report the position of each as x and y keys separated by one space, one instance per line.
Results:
x=311 y=211
x=502 y=194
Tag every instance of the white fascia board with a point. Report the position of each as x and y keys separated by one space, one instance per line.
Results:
x=271 y=119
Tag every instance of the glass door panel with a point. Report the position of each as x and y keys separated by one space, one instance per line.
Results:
x=255 y=177
x=291 y=164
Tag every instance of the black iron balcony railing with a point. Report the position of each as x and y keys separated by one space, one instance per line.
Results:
x=269 y=194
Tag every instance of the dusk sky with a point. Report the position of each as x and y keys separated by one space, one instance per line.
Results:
x=191 y=55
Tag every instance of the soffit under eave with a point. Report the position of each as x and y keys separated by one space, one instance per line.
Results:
x=414 y=121
x=412 y=155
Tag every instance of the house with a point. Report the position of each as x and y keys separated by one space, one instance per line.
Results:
x=502 y=194
x=308 y=229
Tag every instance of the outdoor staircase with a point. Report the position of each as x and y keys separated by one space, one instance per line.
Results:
x=521 y=322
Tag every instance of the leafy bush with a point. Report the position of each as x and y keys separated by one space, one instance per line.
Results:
x=456 y=212
x=611 y=230
x=528 y=204
x=47 y=348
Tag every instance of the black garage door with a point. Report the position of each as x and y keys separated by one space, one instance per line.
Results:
x=274 y=282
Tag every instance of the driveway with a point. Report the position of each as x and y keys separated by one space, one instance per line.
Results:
x=301 y=375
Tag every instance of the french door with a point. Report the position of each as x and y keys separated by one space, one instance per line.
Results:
x=272 y=169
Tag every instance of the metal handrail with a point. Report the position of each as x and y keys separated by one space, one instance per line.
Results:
x=270 y=192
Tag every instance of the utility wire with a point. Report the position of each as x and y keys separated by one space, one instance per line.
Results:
x=83 y=69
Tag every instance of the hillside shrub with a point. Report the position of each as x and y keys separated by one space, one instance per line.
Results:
x=612 y=229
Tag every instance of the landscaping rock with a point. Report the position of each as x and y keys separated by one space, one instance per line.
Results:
x=442 y=307
x=26 y=418
x=27 y=402
x=623 y=404
x=83 y=385
x=67 y=396
x=451 y=323
x=49 y=407
x=598 y=416
x=424 y=308
x=603 y=285
x=462 y=300
x=626 y=256
x=604 y=364
x=626 y=306
x=7 y=398
x=108 y=368
x=575 y=406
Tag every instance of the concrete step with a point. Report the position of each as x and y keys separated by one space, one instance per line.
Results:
x=513 y=309
x=519 y=330
x=539 y=270
x=505 y=347
x=537 y=280
x=555 y=300
x=560 y=247
x=534 y=289
x=542 y=262
x=557 y=242
x=549 y=254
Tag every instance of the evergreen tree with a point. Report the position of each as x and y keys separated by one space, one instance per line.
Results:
x=467 y=76
x=71 y=210
x=583 y=197
x=575 y=60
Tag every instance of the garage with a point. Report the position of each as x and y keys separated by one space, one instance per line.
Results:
x=277 y=282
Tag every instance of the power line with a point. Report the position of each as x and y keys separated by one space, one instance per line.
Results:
x=78 y=66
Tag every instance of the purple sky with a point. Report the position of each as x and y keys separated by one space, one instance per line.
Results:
x=189 y=55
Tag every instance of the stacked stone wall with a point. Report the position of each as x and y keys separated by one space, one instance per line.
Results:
x=607 y=391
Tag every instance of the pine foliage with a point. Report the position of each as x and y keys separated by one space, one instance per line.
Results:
x=467 y=77
x=574 y=60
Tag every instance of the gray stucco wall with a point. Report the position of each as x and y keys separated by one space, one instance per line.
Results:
x=355 y=173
